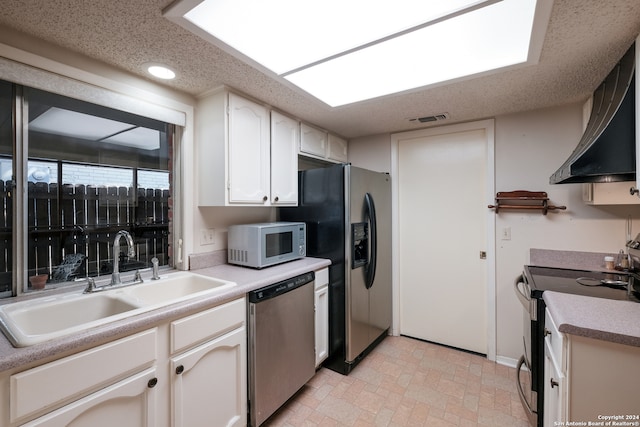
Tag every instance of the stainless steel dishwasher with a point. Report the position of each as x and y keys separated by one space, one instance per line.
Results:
x=281 y=343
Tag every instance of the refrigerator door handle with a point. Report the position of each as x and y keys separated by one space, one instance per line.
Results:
x=370 y=268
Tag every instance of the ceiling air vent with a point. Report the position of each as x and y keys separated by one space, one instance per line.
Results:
x=434 y=118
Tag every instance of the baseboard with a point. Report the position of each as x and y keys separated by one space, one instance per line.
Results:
x=507 y=361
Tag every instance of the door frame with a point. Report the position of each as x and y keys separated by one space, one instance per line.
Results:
x=489 y=127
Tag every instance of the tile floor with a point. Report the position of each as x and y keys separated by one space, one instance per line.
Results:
x=407 y=382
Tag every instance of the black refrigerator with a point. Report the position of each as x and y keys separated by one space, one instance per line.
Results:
x=347 y=211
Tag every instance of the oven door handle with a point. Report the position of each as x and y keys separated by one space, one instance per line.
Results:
x=531 y=414
x=524 y=296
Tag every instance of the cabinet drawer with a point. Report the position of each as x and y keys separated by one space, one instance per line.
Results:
x=55 y=383
x=208 y=324
x=554 y=339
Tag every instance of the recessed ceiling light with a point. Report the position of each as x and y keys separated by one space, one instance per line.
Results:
x=161 y=72
x=345 y=52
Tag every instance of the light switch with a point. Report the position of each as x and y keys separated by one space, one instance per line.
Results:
x=506 y=233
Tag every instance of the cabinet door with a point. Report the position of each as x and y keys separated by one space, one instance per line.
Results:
x=209 y=383
x=553 y=384
x=285 y=136
x=322 y=324
x=128 y=403
x=248 y=151
x=313 y=141
x=554 y=378
x=337 y=149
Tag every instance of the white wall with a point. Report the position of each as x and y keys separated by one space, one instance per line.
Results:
x=219 y=218
x=529 y=147
x=372 y=152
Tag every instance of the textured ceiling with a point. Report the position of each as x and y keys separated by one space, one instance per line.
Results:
x=585 y=38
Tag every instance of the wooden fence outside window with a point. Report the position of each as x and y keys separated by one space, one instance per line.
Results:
x=71 y=229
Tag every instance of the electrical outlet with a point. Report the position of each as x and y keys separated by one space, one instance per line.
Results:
x=506 y=233
x=207 y=236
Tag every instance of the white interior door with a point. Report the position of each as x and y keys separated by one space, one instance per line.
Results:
x=442 y=216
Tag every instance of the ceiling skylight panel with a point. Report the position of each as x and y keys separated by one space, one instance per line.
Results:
x=487 y=39
x=284 y=35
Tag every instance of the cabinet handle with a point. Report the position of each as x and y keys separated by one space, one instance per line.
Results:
x=554 y=383
x=276 y=199
x=179 y=369
x=152 y=382
x=265 y=198
x=546 y=332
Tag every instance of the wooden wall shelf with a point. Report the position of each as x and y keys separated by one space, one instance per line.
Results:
x=527 y=200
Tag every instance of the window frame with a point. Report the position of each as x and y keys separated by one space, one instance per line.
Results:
x=20 y=160
x=96 y=83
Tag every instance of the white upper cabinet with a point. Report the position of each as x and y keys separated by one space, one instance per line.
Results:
x=609 y=193
x=237 y=164
x=313 y=141
x=337 y=149
x=249 y=153
x=322 y=145
x=285 y=137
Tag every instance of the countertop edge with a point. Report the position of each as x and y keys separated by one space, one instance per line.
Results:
x=597 y=318
x=246 y=280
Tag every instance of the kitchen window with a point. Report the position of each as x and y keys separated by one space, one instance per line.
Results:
x=89 y=172
x=6 y=187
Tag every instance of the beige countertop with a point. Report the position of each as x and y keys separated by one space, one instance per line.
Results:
x=597 y=318
x=246 y=279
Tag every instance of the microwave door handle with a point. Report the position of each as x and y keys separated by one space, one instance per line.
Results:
x=370 y=268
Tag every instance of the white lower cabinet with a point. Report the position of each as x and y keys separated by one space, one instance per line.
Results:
x=587 y=378
x=602 y=379
x=554 y=380
x=188 y=372
x=321 y=305
x=128 y=403
x=209 y=383
x=553 y=391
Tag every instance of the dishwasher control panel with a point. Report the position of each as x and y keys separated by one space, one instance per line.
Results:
x=280 y=288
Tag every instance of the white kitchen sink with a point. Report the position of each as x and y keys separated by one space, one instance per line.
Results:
x=34 y=321
x=175 y=287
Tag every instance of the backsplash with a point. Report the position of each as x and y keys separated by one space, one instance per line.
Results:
x=207 y=259
x=568 y=259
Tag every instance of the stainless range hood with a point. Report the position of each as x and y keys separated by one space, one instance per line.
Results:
x=606 y=152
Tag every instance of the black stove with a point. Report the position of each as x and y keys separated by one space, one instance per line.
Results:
x=610 y=285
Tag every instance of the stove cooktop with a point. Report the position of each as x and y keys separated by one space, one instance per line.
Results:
x=615 y=285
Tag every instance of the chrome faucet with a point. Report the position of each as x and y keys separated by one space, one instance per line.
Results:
x=115 y=275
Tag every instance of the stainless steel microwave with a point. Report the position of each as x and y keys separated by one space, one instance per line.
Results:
x=265 y=244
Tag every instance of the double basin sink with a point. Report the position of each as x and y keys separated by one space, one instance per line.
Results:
x=34 y=321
